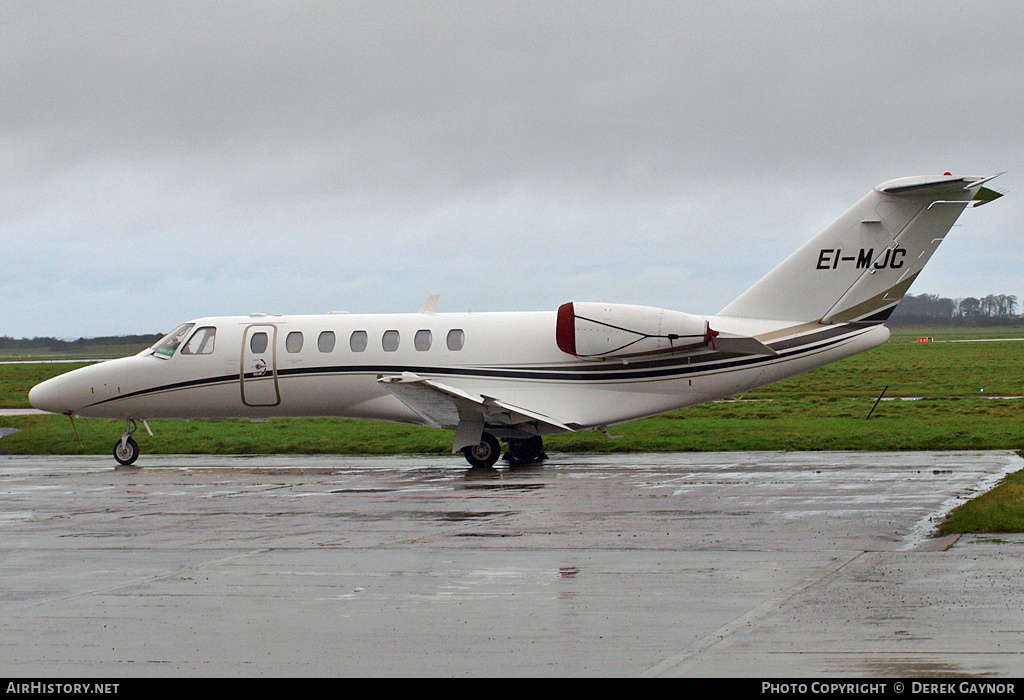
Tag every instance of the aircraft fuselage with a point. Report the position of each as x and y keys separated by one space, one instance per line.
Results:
x=330 y=365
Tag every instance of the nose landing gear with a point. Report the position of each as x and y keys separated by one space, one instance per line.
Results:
x=126 y=450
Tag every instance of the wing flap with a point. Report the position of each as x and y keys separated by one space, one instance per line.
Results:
x=440 y=408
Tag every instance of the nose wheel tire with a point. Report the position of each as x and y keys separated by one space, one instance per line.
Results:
x=484 y=455
x=126 y=452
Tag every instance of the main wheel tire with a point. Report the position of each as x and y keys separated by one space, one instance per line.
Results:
x=126 y=452
x=485 y=454
x=526 y=451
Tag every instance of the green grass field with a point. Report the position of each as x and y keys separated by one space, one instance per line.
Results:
x=939 y=396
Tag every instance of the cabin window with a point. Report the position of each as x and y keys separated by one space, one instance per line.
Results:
x=325 y=343
x=422 y=340
x=170 y=342
x=390 y=341
x=456 y=339
x=293 y=343
x=201 y=342
x=258 y=343
x=357 y=342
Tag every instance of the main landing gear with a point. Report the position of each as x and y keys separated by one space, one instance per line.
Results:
x=520 y=451
x=526 y=451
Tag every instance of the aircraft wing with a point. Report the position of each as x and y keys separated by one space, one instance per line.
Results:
x=444 y=406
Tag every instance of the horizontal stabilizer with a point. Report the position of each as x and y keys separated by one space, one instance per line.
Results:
x=984 y=195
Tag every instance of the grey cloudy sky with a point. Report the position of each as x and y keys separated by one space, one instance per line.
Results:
x=162 y=161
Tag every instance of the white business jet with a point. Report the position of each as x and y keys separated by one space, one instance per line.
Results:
x=520 y=376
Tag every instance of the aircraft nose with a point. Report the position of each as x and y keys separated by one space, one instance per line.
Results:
x=47 y=396
x=81 y=389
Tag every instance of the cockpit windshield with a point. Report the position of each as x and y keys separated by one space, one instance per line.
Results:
x=170 y=342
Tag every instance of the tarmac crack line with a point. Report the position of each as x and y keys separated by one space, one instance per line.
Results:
x=724 y=632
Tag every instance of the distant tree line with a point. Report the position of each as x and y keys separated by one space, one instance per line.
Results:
x=931 y=309
x=922 y=309
x=58 y=345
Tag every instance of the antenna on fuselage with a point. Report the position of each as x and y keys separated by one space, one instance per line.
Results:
x=430 y=304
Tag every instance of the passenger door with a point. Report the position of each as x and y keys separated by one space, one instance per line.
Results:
x=258 y=378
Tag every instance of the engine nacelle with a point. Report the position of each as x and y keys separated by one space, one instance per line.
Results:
x=595 y=329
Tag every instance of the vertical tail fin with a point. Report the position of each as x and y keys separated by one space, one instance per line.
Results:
x=862 y=264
